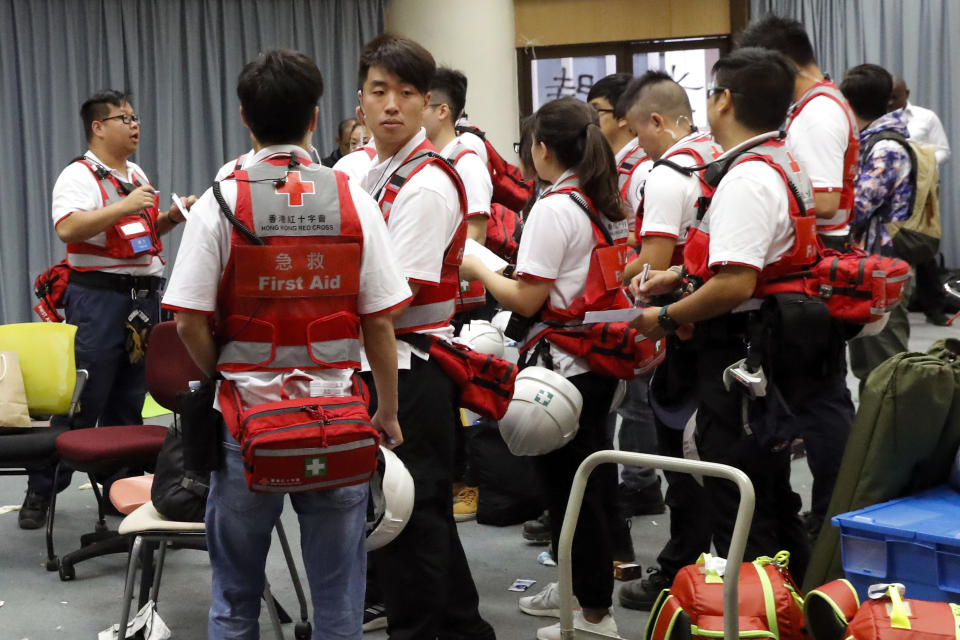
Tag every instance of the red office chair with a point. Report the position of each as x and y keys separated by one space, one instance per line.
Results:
x=107 y=449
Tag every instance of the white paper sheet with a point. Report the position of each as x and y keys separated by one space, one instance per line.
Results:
x=490 y=260
x=613 y=315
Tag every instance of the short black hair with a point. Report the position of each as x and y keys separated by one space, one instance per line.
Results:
x=672 y=100
x=780 y=34
x=278 y=92
x=402 y=57
x=453 y=85
x=98 y=105
x=761 y=84
x=610 y=87
x=867 y=87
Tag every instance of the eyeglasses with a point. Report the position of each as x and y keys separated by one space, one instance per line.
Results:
x=712 y=91
x=125 y=118
x=516 y=148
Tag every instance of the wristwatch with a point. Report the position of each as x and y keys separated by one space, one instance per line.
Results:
x=666 y=323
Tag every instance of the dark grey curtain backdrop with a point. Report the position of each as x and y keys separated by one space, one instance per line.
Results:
x=918 y=39
x=180 y=58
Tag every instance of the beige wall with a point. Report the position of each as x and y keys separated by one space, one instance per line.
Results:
x=476 y=37
x=550 y=22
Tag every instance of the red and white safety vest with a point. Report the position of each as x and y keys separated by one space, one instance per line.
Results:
x=291 y=303
x=775 y=277
x=434 y=304
x=472 y=294
x=625 y=169
x=851 y=156
x=132 y=241
x=703 y=149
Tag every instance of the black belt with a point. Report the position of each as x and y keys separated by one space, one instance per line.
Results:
x=139 y=286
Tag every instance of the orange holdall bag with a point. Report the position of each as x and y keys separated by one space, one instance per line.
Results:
x=888 y=616
x=770 y=604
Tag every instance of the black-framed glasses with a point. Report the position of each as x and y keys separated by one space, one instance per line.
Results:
x=516 y=148
x=125 y=118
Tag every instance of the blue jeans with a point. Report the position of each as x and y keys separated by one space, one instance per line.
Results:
x=239 y=530
x=637 y=432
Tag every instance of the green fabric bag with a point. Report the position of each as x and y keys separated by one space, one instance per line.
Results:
x=903 y=439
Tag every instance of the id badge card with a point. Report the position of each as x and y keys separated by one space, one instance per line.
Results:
x=137 y=234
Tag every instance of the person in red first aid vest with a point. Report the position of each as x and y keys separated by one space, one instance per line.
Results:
x=639 y=490
x=277 y=310
x=674 y=197
x=421 y=578
x=822 y=135
x=578 y=219
x=448 y=94
x=106 y=211
x=758 y=229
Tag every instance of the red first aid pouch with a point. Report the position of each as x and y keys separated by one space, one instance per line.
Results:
x=503 y=231
x=612 y=349
x=302 y=444
x=858 y=287
x=485 y=381
x=50 y=287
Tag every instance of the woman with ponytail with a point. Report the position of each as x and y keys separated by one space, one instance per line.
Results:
x=579 y=212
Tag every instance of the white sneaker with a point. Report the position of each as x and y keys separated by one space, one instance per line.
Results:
x=545 y=603
x=606 y=627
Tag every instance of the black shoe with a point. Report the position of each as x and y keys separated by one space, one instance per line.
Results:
x=641 y=594
x=645 y=502
x=812 y=522
x=538 y=531
x=938 y=318
x=621 y=540
x=374 y=617
x=33 y=513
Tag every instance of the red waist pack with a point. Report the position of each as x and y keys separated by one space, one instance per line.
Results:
x=611 y=348
x=302 y=444
x=858 y=287
x=485 y=381
x=49 y=287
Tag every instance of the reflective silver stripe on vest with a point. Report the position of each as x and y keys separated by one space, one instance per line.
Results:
x=258 y=353
x=424 y=315
x=88 y=260
x=314 y=451
x=313 y=486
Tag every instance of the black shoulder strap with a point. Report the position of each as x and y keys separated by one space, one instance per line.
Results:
x=577 y=198
x=239 y=226
x=468 y=129
x=687 y=171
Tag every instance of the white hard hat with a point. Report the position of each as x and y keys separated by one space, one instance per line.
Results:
x=482 y=336
x=391 y=500
x=543 y=415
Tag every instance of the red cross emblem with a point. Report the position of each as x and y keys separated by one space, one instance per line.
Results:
x=295 y=188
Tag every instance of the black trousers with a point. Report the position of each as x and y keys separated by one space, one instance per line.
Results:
x=721 y=438
x=592 y=553
x=423 y=575
x=930 y=295
x=690 y=527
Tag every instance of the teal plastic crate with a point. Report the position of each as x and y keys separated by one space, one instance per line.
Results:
x=914 y=540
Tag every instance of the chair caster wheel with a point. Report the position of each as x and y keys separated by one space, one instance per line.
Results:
x=67 y=572
x=302 y=631
x=53 y=563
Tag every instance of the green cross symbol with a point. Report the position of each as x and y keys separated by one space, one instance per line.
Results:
x=543 y=397
x=314 y=467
